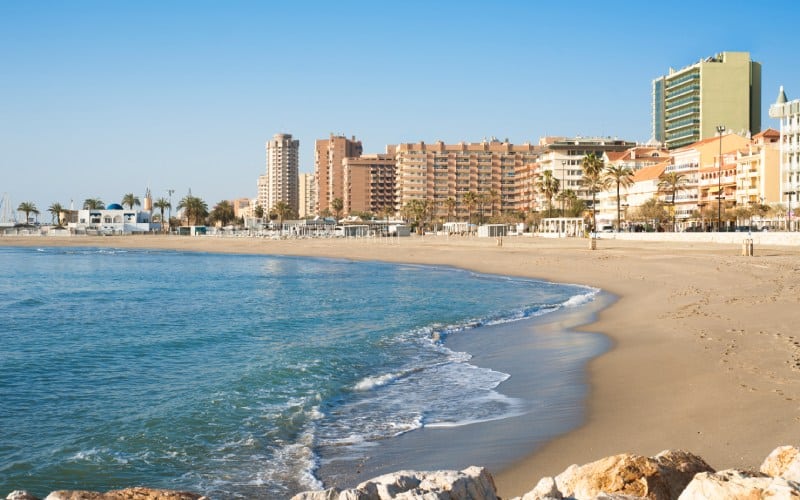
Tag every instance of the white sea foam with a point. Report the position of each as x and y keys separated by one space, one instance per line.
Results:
x=369 y=383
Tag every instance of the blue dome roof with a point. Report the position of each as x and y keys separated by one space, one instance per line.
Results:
x=114 y=206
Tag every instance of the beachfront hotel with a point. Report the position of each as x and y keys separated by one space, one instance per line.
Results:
x=438 y=171
x=329 y=155
x=690 y=103
x=280 y=182
x=369 y=184
x=307 y=191
x=788 y=112
x=564 y=158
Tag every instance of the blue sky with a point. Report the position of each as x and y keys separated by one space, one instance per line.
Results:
x=102 y=98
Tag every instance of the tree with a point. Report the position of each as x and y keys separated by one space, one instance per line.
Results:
x=258 y=212
x=337 y=204
x=651 y=210
x=282 y=210
x=621 y=176
x=28 y=207
x=470 y=199
x=131 y=200
x=93 y=204
x=162 y=204
x=449 y=205
x=55 y=210
x=420 y=210
x=549 y=186
x=593 y=181
x=670 y=183
x=223 y=213
x=194 y=209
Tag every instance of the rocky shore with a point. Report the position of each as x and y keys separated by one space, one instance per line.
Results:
x=670 y=475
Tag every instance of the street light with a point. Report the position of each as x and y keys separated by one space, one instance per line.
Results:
x=720 y=130
x=563 y=167
x=169 y=211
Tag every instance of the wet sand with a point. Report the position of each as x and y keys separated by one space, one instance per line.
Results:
x=706 y=345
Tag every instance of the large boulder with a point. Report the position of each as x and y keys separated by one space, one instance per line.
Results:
x=735 y=484
x=662 y=477
x=126 y=494
x=784 y=461
x=21 y=495
x=472 y=483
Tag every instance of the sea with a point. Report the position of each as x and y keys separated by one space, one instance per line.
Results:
x=237 y=376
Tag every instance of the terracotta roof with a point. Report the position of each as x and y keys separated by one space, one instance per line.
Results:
x=615 y=155
x=650 y=173
x=770 y=132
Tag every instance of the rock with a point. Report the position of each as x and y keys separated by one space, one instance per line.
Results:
x=21 y=495
x=472 y=483
x=784 y=461
x=734 y=484
x=126 y=494
x=329 y=494
x=662 y=477
x=678 y=468
x=545 y=489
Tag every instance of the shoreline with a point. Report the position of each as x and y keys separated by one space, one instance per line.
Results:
x=704 y=355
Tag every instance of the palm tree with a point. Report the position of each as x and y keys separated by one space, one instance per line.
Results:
x=28 y=207
x=55 y=210
x=258 y=212
x=420 y=210
x=593 y=180
x=162 y=204
x=282 y=210
x=470 y=199
x=337 y=205
x=131 y=200
x=449 y=205
x=223 y=213
x=670 y=183
x=194 y=208
x=621 y=176
x=93 y=204
x=549 y=186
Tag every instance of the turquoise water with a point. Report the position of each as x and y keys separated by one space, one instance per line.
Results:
x=227 y=374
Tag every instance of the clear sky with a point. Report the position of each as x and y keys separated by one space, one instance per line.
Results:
x=103 y=98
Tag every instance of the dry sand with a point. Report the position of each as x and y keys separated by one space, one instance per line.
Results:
x=706 y=350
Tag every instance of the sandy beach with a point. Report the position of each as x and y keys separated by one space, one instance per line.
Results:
x=705 y=356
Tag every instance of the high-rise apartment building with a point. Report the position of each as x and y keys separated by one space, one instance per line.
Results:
x=788 y=112
x=329 y=155
x=369 y=184
x=282 y=171
x=308 y=195
x=722 y=90
x=436 y=172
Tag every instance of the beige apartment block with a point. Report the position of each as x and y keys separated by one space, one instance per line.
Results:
x=308 y=195
x=437 y=172
x=370 y=184
x=758 y=171
x=262 y=199
x=329 y=155
x=283 y=154
x=690 y=103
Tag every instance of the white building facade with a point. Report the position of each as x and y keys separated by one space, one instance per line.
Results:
x=283 y=155
x=788 y=112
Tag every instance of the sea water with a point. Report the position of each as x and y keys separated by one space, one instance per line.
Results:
x=231 y=374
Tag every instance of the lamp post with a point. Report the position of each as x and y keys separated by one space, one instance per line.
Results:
x=169 y=210
x=563 y=167
x=720 y=130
